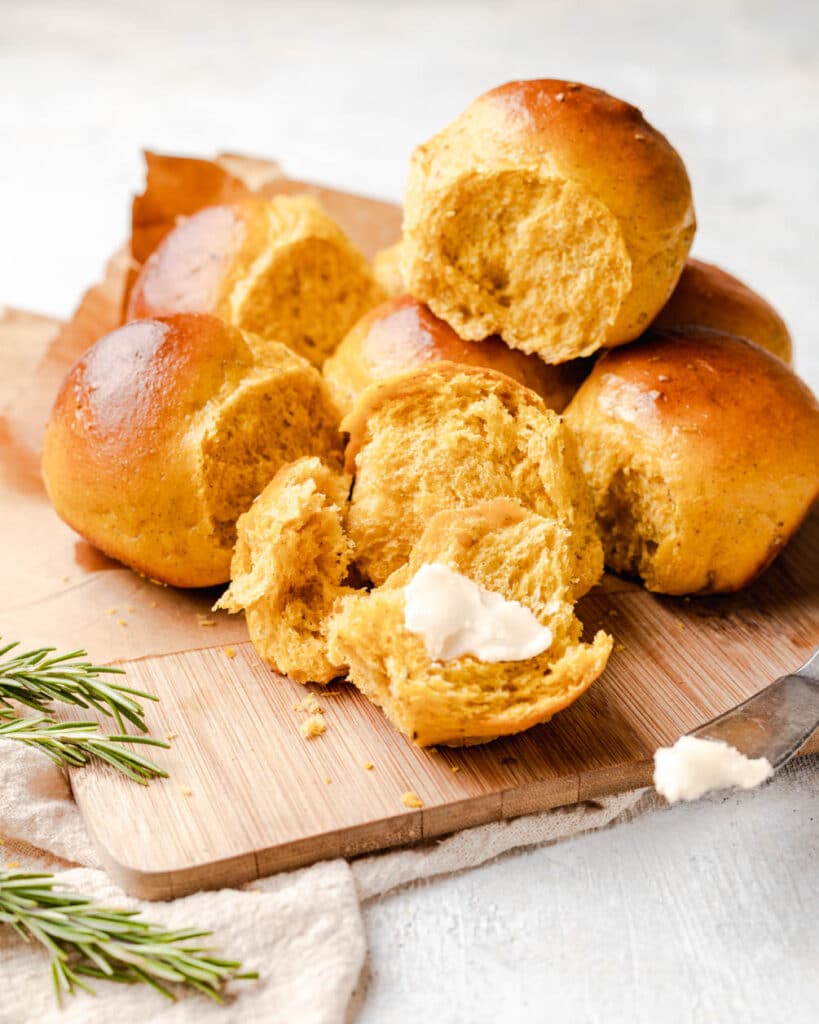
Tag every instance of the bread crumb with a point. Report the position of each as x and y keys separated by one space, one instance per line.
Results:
x=454 y=767
x=368 y=766
x=619 y=647
x=111 y=611
x=560 y=96
x=186 y=791
x=573 y=86
x=327 y=780
x=680 y=625
x=312 y=727
x=153 y=604
x=230 y=651
x=130 y=608
x=207 y=622
x=121 y=622
x=310 y=705
x=11 y=864
x=171 y=736
x=65 y=579
x=411 y=799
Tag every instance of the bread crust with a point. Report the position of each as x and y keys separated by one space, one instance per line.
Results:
x=403 y=333
x=702 y=451
x=279 y=267
x=535 y=135
x=125 y=454
x=707 y=296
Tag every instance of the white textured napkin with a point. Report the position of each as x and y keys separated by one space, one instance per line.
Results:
x=302 y=931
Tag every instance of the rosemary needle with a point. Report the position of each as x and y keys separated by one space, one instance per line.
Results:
x=90 y=941
x=40 y=677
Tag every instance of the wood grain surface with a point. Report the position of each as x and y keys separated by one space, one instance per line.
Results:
x=247 y=795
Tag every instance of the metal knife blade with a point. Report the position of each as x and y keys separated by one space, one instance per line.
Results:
x=775 y=722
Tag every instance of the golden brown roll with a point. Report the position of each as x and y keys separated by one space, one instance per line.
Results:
x=402 y=334
x=166 y=430
x=707 y=296
x=549 y=213
x=446 y=436
x=508 y=551
x=289 y=567
x=702 y=451
x=279 y=267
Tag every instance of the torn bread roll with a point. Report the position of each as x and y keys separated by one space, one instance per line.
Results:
x=446 y=436
x=707 y=296
x=279 y=267
x=402 y=334
x=549 y=213
x=166 y=430
x=291 y=560
x=518 y=557
x=702 y=451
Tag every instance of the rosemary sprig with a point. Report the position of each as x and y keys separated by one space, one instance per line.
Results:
x=86 y=940
x=38 y=678
x=71 y=744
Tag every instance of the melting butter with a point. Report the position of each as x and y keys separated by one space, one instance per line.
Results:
x=455 y=616
x=694 y=767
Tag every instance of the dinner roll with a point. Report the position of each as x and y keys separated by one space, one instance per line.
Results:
x=278 y=267
x=707 y=296
x=549 y=213
x=509 y=551
x=702 y=450
x=446 y=436
x=291 y=559
x=166 y=430
x=402 y=333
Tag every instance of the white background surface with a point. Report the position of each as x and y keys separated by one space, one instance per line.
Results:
x=700 y=913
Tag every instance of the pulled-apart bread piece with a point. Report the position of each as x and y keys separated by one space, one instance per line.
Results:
x=707 y=296
x=278 y=267
x=403 y=333
x=549 y=213
x=520 y=559
x=166 y=430
x=446 y=436
x=702 y=451
x=288 y=571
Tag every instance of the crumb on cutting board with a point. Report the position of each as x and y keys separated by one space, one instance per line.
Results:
x=454 y=767
x=230 y=652
x=169 y=736
x=368 y=766
x=312 y=727
x=327 y=780
x=186 y=791
x=309 y=704
x=411 y=799
x=207 y=622
x=121 y=622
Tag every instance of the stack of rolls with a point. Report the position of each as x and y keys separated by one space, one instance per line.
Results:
x=410 y=473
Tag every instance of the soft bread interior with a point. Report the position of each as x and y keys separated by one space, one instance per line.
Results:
x=445 y=437
x=506 y=549
x=307 y=286
x=289 y=567
x=266 y=423
x=536 y=259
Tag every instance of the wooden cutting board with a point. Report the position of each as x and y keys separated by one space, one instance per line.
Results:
x=247 y=795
